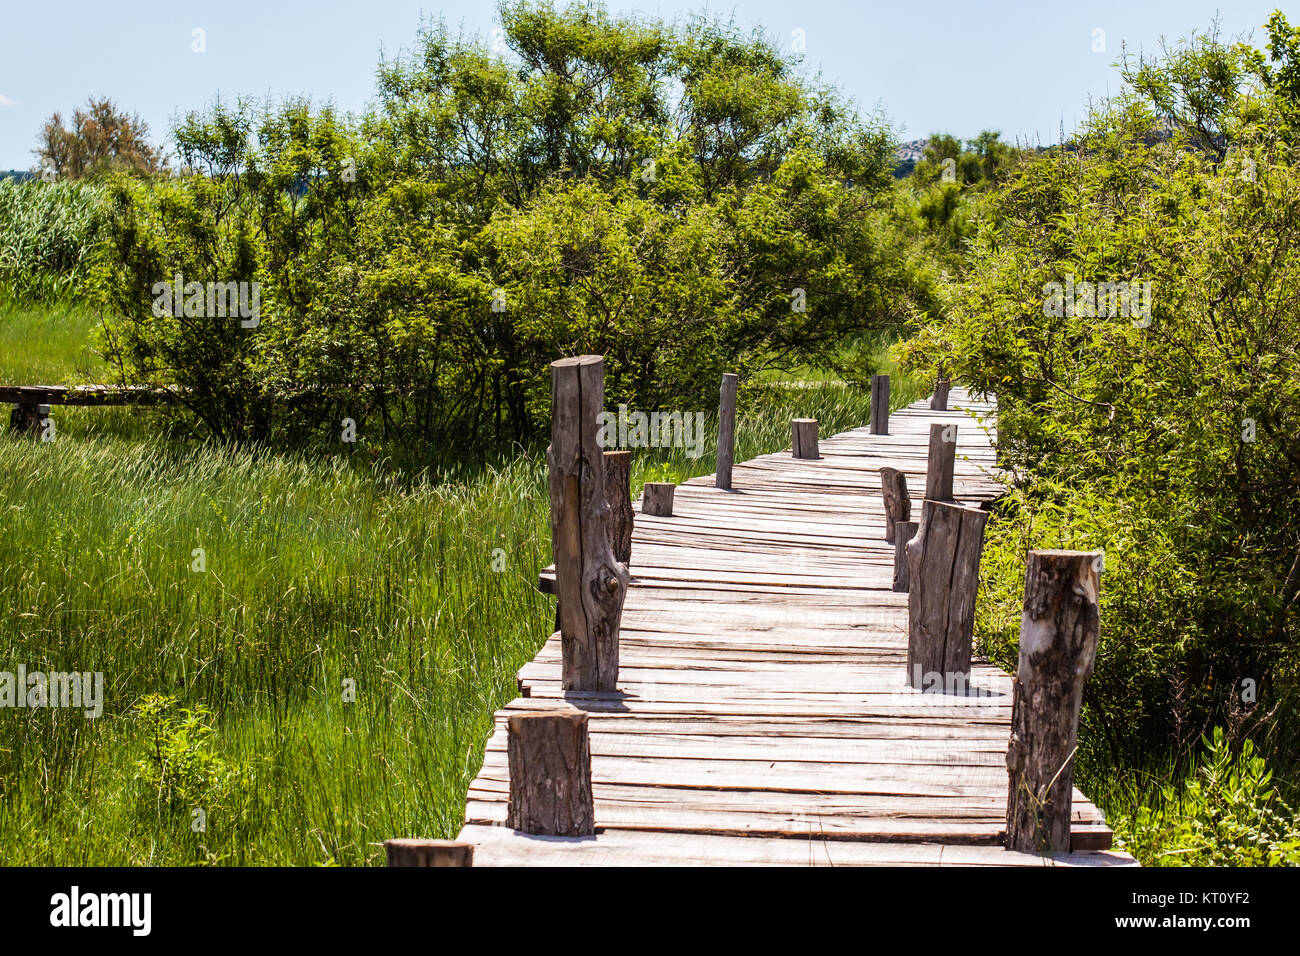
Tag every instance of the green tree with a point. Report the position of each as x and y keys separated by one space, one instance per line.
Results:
x=101 y=138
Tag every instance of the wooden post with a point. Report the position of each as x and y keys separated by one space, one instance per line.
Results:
x=898 y=503
x=429 y=853
x=1059 y=631
x=589 y=581
x=804 y=443
x=550 y=774
x=618 y=495
x=941 y=462
x=939 y=401
x=943 y=576
x=726 y=430
x=880 y=404
x=904 y=531
x=657 y=498
x=26 y=418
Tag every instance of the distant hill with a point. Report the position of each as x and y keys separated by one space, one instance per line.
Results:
x=22 y=175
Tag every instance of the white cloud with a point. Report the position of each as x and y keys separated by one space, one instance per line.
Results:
x=5 y=101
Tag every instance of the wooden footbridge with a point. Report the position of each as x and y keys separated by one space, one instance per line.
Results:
x=762 y=711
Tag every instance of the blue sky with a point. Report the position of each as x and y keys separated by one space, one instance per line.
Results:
x=1020 y=67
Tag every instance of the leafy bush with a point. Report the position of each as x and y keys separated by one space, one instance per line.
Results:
x=1168 y=437
x=1226 y=812
x=679 y=198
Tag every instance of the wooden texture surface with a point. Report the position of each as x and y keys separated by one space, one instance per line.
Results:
x=657 y=499
x=1059 y=631
x=804 y=438
x=550 y=773
x=762 y=715
x=618 y=495
x=428 y=853
x=591 y=582
x=726 y=430
x=943 y=561
x=880 y=404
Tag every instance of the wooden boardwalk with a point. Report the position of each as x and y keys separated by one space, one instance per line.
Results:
x=763 y=715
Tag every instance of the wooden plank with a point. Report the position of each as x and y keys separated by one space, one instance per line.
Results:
x=762 y=713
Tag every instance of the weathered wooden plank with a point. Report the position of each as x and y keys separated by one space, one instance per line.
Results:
x=762 y=709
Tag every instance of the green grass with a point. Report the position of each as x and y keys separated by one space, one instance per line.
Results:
x=49 y=345
x=319 y=571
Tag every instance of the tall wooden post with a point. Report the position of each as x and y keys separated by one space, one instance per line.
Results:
x=726 y=430
x=943 y=577
x=804 y=437
x=939 y=401
x=898 y=503
x=428 y=853
x=589 y=580
x=618 y=495
x=549 y=754
x=941 y=462
x=1059 y=631
x=880 y=404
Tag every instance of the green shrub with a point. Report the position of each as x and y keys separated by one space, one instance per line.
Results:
x=1226 y=812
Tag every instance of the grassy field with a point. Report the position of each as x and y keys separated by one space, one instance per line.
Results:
x=308 y=650
x=45 y=346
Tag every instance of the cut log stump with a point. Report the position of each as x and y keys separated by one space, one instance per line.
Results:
x=804 y=437
x=428 y=853
x=550 y=774
x=657 y=498
x=941 y=462
x=1059 y=631
x=618 y=495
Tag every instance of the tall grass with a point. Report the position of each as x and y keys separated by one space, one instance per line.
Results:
x=48 y=234
x=321 y=578
x=49 y=345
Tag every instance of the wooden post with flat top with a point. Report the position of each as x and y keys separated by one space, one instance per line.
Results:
x=804 y=437
x=880 y=404
x=550 y=774
x=618 y=495
x=657 y=498
x=943 y=577
x=590 y=581
x=726 y=430
x=1059 y=631
x=941 y=462
x=428 y=853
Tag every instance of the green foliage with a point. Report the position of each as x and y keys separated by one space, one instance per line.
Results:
x=943 y=200
x=184 y=782
x=100 y=138
x=317 y=570
x=679 y=198
x=1166 y=437
x=48 y=236
x=1226 y=812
